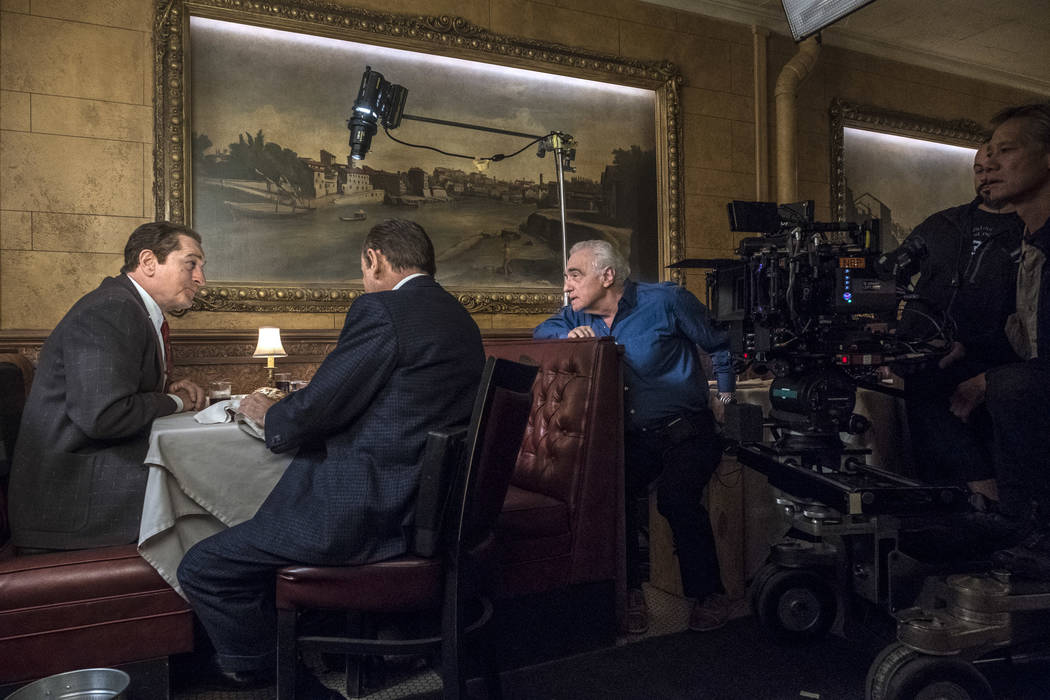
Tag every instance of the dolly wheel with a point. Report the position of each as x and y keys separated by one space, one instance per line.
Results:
x=796 y=606
x=901 y=673
x=758 y=582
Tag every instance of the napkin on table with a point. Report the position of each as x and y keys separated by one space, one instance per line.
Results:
x=219 y=412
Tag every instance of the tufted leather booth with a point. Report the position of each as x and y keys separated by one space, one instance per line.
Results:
x=62 y=611
x=561 y=524
x=562 y=519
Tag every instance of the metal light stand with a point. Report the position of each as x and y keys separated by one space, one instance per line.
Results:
x=562 y=145
x=557 y=142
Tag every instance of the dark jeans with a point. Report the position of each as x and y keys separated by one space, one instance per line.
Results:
x=680 y=456
x=230 y=582
x=944 y=449
x=1018 y=400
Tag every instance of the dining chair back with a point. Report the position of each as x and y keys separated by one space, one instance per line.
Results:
x=465 y=477
x=16 y=374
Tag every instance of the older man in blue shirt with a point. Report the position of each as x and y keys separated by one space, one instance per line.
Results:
x=670 y=433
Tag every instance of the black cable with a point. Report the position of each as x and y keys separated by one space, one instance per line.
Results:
x=500 y=156
x=429 y=148
x=494 y=158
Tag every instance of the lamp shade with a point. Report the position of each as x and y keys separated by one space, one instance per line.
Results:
x=269 y=343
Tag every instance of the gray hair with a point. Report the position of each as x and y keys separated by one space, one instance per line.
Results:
x=605 y=256
x=1037 y=117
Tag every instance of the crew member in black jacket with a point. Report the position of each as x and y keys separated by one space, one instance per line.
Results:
x=966 y=258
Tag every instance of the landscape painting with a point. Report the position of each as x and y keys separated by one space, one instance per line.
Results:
x=882 y=173
x=279 y=201
x=898 y=168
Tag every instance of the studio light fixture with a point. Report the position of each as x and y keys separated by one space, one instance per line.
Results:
x=381 y=102
x=806 y=17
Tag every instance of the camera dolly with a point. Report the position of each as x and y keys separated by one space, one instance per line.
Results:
x=844 y=522
x=960 y=623
x=846 y=551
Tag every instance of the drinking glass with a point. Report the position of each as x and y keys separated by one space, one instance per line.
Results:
x=219 y=391
x=283 y=381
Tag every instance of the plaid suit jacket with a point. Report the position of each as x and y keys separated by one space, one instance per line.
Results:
x=407 y=361
x=77 y=480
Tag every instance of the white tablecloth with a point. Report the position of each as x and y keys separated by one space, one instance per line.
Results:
x=202 y=479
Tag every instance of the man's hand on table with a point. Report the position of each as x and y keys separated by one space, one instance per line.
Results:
x=193 y=397
x=255 y=406
x=581 y=332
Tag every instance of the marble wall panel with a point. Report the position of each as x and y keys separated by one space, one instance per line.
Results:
x=708 y=226
x=743 y=151
x=129 y=14
x=14 y=110
x=708 y=142
x=643 y=13
x=814 y=156
x=36 y=289
x=561 y=26
x=16 y=232
x=92 y=118
x=712 y=103
x=704 y=63
x=56 y=57
x=66 y=174
x=743 y=66
x=82 y=233
x=719 y=183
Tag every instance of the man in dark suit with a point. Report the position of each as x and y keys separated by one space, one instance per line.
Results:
x=408 y=361
x=77 y=479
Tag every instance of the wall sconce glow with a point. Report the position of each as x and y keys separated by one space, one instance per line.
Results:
x=381 y=55
x=893 y=141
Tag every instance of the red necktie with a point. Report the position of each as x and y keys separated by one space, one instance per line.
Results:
x=169 y=361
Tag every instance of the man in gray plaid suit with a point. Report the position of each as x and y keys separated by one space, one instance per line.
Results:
x=408 y=360
x=77 y=478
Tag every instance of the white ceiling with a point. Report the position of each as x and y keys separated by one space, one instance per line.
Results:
x=1000 y=41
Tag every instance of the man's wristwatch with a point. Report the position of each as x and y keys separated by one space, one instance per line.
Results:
x=726 y=397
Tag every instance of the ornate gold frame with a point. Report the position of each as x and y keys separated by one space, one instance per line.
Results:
x=961 y=132
x=444 y=35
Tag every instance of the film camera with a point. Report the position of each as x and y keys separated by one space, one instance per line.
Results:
x=816 y=304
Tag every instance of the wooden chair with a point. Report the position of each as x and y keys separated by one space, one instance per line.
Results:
x=447 y=572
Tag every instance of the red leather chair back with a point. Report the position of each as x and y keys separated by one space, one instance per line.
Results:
x=498 y=418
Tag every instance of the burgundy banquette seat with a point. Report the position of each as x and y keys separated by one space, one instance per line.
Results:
x=561 y=525
x=562 y=521
x=62 y=611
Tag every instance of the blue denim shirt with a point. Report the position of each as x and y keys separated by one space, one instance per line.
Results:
x=659 y=327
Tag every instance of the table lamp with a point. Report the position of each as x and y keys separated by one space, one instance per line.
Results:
x=269 y=346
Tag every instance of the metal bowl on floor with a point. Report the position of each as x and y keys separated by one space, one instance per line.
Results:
x=85 y=684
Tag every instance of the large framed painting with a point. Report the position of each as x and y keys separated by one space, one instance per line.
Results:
x=253 y=101
x=898 y=167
